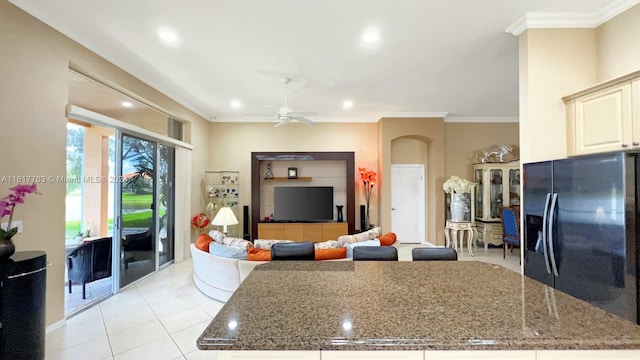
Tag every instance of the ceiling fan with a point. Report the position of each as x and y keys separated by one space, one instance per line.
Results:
x=286 y=115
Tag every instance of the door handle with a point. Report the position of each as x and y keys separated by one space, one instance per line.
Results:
x=554 y=204
x=394 y=209
x=545 y=232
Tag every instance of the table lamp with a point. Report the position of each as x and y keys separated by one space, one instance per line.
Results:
x=224 y=217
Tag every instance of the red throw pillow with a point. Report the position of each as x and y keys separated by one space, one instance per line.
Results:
x=387 y=239
x=333 y=253
x=254 y=254
x=202 y=242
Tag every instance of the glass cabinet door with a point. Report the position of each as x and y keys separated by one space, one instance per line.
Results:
x=495 y=195
x=479 y=189
x=514 y=187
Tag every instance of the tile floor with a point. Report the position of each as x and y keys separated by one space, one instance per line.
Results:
x=162 y=316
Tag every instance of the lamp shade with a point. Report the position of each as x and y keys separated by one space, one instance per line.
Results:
x=225 y=217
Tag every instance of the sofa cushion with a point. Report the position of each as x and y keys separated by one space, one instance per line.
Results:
x=374 y=242
x=255 y=254
x=202 y=242
x=217 y=236
x=387 y=239
x=266 y=244
x=237 y=242
x=363 y=236
x=329 y=244
x=231 y=252
x=330 y=254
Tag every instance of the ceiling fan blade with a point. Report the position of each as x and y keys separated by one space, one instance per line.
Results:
x=281 y=123
x=304 y=120
x=302 y=113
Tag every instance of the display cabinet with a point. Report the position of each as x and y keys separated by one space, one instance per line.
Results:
x=223 y=189
x=498 y=186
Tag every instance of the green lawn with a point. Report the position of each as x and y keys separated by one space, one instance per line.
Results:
x=141 y=219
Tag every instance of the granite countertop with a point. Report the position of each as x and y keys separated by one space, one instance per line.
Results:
x=406 y=305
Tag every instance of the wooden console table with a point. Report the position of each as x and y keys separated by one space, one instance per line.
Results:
x=314 y=232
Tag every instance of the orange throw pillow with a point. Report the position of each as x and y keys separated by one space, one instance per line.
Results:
x=254 y=254
x=202 y=242
x=387 y=239
x=329 y=254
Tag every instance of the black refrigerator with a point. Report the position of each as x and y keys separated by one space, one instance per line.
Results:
x=580 y=218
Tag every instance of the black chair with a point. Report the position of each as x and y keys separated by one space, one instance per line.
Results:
x=434 y=254
x=293 y=251
x=375 y=253
x=510 y=229
x=89 y=262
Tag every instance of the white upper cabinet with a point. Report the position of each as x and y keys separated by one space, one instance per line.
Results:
x=605 y=117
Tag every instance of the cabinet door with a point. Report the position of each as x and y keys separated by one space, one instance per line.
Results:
x=271 y=231
x=635 y=104
x=603 y=120
x=332 y=231
x=496 y=193
x=312 y=232
x=294 y=232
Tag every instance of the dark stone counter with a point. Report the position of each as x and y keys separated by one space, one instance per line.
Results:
x=405 y=305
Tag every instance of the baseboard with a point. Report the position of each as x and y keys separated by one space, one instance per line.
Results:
x=56 y=325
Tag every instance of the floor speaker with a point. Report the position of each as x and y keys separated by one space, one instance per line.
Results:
x=363 y=214
x=245 y=223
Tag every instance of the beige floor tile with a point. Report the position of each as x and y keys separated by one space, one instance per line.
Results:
x=186 y=339
x=161 y=349
x=181 y=320
x=136 y=336
x=97 y=349
x=128 y=319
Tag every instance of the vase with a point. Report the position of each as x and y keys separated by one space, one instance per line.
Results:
x=340 y=216
x=367 y=223
x=6 y=249
x=458 y=207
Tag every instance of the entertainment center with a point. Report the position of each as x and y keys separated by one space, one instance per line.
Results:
x=302 y=211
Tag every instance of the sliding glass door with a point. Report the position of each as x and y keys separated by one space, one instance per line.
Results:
x=138 y=216
x=166 y=166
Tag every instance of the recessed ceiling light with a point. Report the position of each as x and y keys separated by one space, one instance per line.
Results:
x=168 y=36
x=347 y=104
x=126 y=104
x=236 y=104
x=371 y=37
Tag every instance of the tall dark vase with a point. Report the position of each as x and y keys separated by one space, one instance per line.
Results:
x=363 y=214
x=340 y=216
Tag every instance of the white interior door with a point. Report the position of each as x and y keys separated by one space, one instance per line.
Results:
x=407 y=203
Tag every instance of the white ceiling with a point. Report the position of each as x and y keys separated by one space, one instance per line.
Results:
x=450 y=56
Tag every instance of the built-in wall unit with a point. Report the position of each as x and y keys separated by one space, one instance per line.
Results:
x=296 y=195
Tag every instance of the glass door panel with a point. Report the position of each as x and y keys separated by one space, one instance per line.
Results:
x=138 y=217
x=166 y=244
x=514 y=187
x=479 y=191
x=495 y=196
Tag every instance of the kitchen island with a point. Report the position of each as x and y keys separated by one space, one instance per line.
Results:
x=421 y=310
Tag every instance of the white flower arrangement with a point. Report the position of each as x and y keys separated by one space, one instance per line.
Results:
x=456 y=185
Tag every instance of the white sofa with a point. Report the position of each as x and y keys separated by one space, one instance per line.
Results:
x=218 y=277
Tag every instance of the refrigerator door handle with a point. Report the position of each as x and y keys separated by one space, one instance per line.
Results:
x=552 y=256
x=544 y=233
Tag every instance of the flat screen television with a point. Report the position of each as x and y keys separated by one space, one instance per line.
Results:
x=303 y=203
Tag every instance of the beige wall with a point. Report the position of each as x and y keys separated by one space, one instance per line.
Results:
x=431 y=132
x=556 y=63
x=618 y=42
x=464 y=140
x=34 y=75
x=231 y=145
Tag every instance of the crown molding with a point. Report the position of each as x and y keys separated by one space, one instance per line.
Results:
x=482 y=119
x=426 y=114
x=572 y=20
